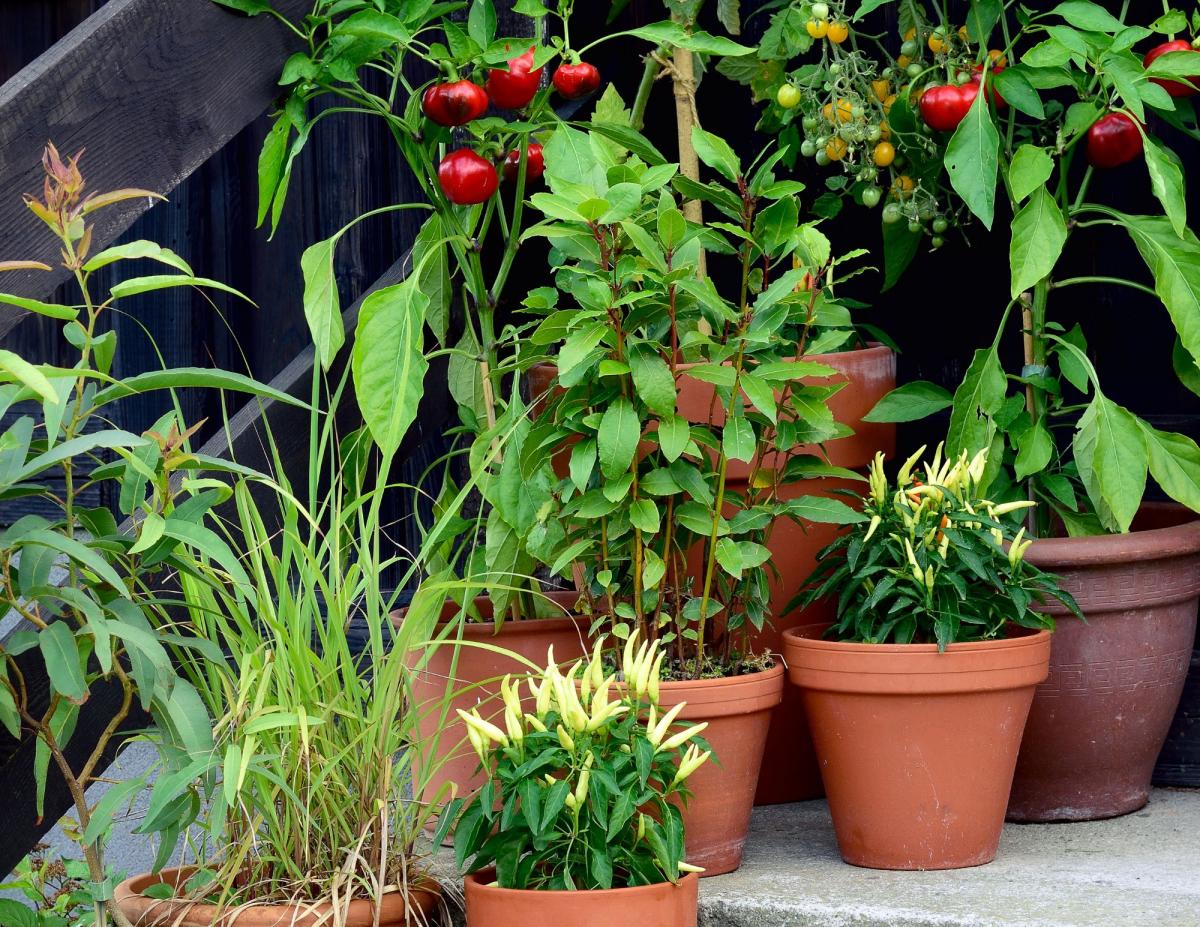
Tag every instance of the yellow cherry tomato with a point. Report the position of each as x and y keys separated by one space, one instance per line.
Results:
x=788 y=96
x=937 y=44
x=910 y=34
x=885 y=131
x=817 y=28
x=845 y=110
x=888 y=101
x=884 y=154
x=902 y=187
x=962 y=34
x=836 y=149
x=827 y=112
x=838 y=32
x=903 y=62
x=999 y=59
x=881 y=88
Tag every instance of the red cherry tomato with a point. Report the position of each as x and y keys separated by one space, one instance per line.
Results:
x=993 y=94
x=535 y=163
x=1113 y=140
x=454 y=104
x=514 y=88
x=1173 y=87
x=466 y=178
x=943 y=107
x=576 y=80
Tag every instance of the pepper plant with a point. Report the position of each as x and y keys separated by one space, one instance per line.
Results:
x=583 y=791
x=1033 y=108
x=668 y=547
x=92 y=596
x=934 y=561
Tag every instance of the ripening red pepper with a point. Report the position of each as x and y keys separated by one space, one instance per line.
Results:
x=576 y=80
x=455 y=103
x=514 y=88
x=993 y=94
x=535 y=163
x=1174 y=87
x=1113 y=140
x=943 y=107
x=466 y=178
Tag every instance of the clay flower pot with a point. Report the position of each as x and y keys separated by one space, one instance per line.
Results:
x=738 y=711
x=475 y=679
x=661 y=905
x=395 y=910
x=789 y=768
x=1100 y=720
x=916 y=747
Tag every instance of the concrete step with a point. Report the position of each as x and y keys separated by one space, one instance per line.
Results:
x=1142 y=870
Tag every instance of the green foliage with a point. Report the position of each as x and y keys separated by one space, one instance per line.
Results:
x=585 y=791
x=55 y=892
x=935 y=562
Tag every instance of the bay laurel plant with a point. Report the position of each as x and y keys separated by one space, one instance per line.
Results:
x=936 y=561
x=994 y=108
x=583 y=792
x=669 y=549
x=92 y=596
x=372 y=59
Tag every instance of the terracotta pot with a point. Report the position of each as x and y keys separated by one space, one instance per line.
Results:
x=738 y=712
x=421 y=901
x=476 y=677
x=662 y=905
x=789 y=769
x=917 y=748
x=1098 y=723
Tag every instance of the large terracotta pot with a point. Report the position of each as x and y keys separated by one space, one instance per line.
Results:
x=475 y=673
x=916 y=747
x=738 y=711
x=662 y=905
x=1099 y=721
x=789 y=769
x=420 y=902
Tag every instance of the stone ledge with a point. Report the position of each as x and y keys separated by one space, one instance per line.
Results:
x=1142 y=870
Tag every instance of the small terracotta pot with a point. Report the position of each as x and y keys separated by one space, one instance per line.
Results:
x=789 y=770
x=662 y=905
x=738 y=711
x=476 y=677
x=421 y=901
x=1100 y=720
x=917 y=748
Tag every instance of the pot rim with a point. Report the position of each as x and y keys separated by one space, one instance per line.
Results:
x=1030 y=639
x=1133 y=547
x=689 y=882
x=393 y=903
x=562 y=598
x=728 y=696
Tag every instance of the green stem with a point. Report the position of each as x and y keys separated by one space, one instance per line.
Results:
x=650 y=69
x=1105 y=281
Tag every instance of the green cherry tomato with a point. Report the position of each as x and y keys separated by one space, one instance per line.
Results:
x=914 y=226
x=810 y=123
x=871 y=196
x=940 y=225
x=909 y=48
x=874 y=134
x=915 y=70
x=788 y=96
x=807 y=148
x=927 y=212
x=820 y=11
x=891 y=213
x=822 y=158
x=937 y=241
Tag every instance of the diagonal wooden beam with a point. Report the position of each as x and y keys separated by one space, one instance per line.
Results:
x=151 y=88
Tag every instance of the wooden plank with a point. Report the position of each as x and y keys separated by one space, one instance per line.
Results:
x=152 y=88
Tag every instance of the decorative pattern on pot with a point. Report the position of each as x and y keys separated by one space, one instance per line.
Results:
x=1098 y=723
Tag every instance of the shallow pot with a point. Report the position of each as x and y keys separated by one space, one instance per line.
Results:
x=662 y=905
x=738 y=711
x=1100 y=720
x=474 y=673
x=789 y=770
x=916 y=747
x=395 y=909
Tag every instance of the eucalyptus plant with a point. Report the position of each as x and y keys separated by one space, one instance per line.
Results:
x=1027 y=108
x=90 y=595
x=643 y=489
